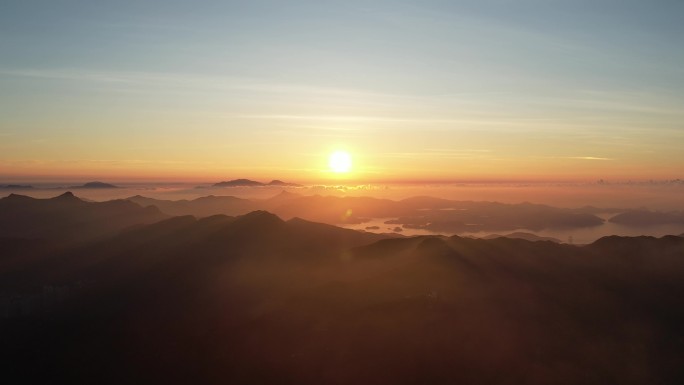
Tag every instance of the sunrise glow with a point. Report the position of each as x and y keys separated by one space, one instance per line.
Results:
x=360 y=191
x=340 y=162
x=536 y=99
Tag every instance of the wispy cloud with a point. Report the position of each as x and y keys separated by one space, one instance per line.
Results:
x=475 y=105
x=96 y=162
x=439 y=153
x=588 y=158
x=426 y=123
x=184 y=80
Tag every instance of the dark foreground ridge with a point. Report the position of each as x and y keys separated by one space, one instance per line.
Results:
x=255 y=299
x=66 y=218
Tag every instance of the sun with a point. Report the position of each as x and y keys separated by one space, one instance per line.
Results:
x=340 y=162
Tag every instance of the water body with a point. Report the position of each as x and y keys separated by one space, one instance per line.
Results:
x=575 y=235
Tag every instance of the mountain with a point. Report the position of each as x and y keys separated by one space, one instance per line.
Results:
x=432 y=214
x=200 y=207
x=252 y=183
x=94 y=185
x=258 y=299
x=635 y=247
x=238 y=183
x=66 y=218
x=276 y=182
x=16 y=187
x=282 y=197
x=525 y=236
x=179 y=246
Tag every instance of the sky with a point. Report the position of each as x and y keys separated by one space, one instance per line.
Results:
x=412 y=90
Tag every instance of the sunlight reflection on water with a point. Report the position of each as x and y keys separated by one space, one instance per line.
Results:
x=579 y=235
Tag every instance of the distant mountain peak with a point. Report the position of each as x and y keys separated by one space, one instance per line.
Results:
x=284 y=195
x=239 y=183
x=522 y=235
x=260 y=215
x=252 y=183
x=17 y=197
x=259 y=219
x=215 y=198
x=277 y=182
x=95 y=185
x=254 y=225
x=67 y=197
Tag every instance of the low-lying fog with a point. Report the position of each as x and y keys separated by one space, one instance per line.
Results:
x=615 y=198
x=575 y=236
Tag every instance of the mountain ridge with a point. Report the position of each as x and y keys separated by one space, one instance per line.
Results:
x=252 y=183
x=259 y=294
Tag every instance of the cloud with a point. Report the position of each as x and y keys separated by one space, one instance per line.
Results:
x=184 y=80
x=440 y=154
x=588 y=158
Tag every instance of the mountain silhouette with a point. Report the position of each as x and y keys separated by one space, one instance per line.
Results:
x=66 y=217
x=521 y=235
x=277 y=182
x=94 y=185
x=252 y=183
x=255 y=298
x=238 y=183
x=432 y=214
x=200 y=207
x=283 y=196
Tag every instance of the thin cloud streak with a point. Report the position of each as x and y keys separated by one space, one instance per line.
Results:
x=588 y=158
x=582 y=99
